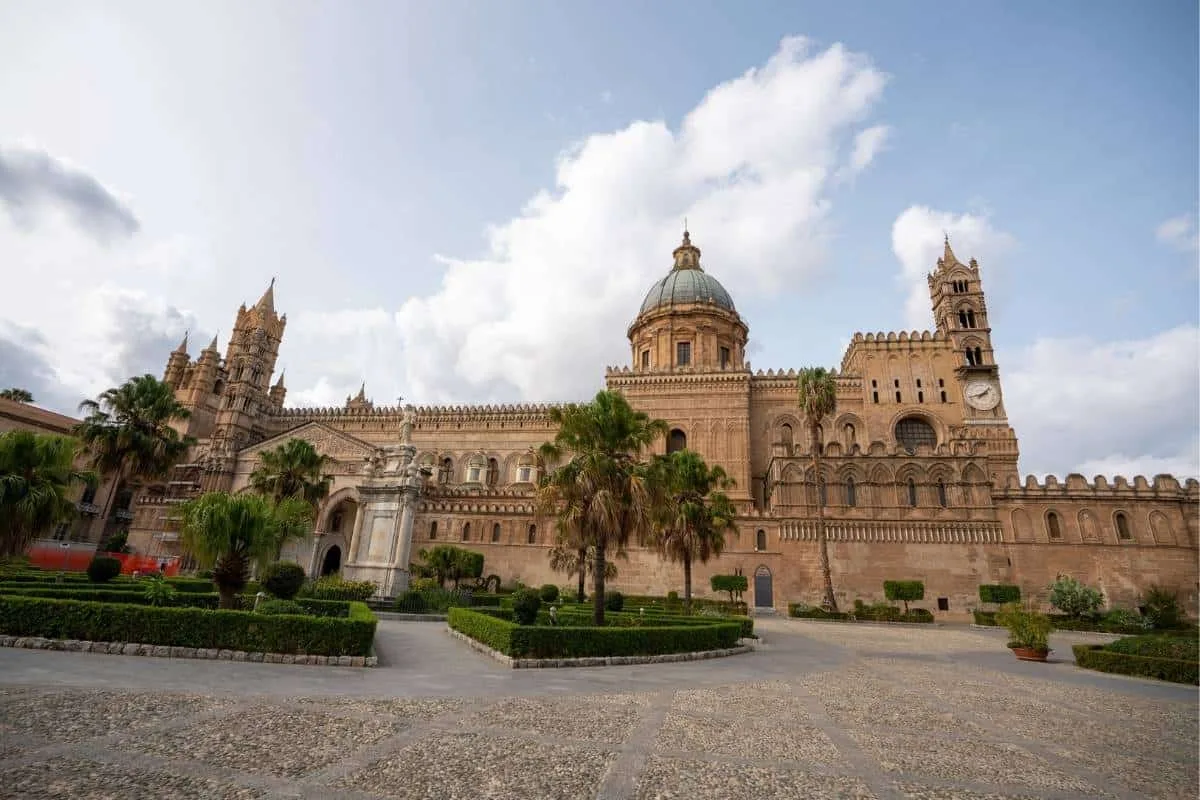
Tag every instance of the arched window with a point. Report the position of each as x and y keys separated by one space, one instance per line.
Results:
x=913 y=431
x=532 y=536
x=760 y=540
x=941 y=491
x=978 y=356
x=475 y=469
x=493 y=471
x=785 y=434
x=466 y=532
x=496 y=532
x=676 y=441
x=848 y=433
x=822 y=495
x=912 y=493
x=851 y=492
x=525 y=468
x=446 y=470
x=1122 y=523
x=1053 y=526
x=433 y=529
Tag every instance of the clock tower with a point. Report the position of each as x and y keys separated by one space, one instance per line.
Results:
x=960 y=313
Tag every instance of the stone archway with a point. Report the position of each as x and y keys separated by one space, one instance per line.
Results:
x=332 y=561
x=764 y=590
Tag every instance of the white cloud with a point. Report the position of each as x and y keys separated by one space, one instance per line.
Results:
x=536 y=317
x=1121 y=407
x=1179 y=233
x=867 y=144
x=918 y=238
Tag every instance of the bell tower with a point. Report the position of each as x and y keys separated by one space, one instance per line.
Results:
x=960 y=313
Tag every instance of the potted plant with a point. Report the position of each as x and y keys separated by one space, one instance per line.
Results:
x=1028 y=632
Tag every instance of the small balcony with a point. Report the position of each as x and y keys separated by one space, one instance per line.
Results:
x=89 y=508
x=123 y=514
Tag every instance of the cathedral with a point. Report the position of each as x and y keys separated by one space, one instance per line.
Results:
x=920 y=475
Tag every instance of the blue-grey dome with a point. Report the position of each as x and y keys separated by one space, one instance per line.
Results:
x=687 y=286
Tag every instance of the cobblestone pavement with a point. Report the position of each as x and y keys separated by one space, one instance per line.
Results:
x=819 y=711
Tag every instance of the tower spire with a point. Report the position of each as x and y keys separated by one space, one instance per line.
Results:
x=183 y=346
x=948 y=257
x=213 y=345
x=279 y=383
x=267 y=301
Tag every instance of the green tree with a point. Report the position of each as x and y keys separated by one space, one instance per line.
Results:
x=579 y=564
x=693 y=513
x=17 y=395
x=817 y=390
x=228 y=533
x=603 y=491
x=37 y=474
x=127 y=432
x=445 y=562
x=293 y=469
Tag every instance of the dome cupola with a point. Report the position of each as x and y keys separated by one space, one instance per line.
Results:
x=688 y=320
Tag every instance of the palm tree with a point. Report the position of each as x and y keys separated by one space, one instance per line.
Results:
x=817 y=391
x=230 y=532
x=37 y=473
x=694 y=514
x=293 y=469
x=127 y=432
x=17 y=395
x=579 y=563
x=603 y=492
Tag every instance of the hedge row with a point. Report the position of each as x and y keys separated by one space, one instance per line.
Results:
x=646 y=600
x=1097 y=657
x=134 y=595
x=189 y=627
x=537 y=641
x=576 y=614
x=1061 y=622
x=197 y=585
x=914 y=615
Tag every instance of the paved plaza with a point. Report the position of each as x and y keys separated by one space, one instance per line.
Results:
x=820 y=710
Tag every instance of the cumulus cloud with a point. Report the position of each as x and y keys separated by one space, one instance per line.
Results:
x=867 y=144
x=1179 y=233
x=33 y=184
x=918 y=237
x=547 y=304
x=1121 y=407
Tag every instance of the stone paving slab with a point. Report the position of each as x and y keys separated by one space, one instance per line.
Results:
x=816 y=714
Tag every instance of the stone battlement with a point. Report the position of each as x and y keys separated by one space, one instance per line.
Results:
x=1165 y=487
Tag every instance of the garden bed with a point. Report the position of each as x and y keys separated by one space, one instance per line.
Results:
x=560 y=642
x=1061 y=622
x=191 y=627
x=1167 y=658
x=915 y=616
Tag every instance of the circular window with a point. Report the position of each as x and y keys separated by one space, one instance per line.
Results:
x=913 y=431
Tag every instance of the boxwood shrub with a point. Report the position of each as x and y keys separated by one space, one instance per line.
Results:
x=999 y=593
x=562 y=641
x=1104 y=659
x=189 y=627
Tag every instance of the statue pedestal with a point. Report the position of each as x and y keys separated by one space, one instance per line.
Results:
x=382 y=540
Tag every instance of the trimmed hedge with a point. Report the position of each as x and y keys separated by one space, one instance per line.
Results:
x=581 y=616
x=189 y=627
x=862 y=613
x=562 y=641
x=647 y=601
x=999 y=593
x=1101 y=659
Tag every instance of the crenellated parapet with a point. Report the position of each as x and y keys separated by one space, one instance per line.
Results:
x=892 y=341
x=1162 y=487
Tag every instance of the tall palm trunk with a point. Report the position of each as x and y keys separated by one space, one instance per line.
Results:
x=822 y=541
x=687 y=582
x=231 y=574
x=582 y=573
x=598 y=600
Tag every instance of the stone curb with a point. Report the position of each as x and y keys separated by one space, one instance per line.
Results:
x=402 y=617
x=605 y=661
x=925 y=625
x=163 y=651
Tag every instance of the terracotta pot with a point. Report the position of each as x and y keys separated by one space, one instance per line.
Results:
x=1030 y=653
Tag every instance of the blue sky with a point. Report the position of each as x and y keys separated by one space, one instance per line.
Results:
x=382 y=159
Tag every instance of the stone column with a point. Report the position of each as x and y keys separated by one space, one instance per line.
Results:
x=355 y=537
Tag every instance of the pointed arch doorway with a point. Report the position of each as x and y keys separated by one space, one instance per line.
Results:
x=332 y=562
x=764 y=596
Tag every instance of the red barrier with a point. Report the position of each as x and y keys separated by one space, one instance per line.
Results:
x=53 y=556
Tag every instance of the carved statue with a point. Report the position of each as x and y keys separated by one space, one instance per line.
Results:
x=406 y=425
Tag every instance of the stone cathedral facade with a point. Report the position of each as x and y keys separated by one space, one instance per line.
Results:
x=920 y=475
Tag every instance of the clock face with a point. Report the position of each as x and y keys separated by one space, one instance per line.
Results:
x=981 y=395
